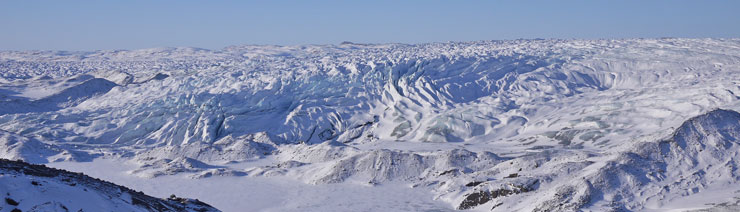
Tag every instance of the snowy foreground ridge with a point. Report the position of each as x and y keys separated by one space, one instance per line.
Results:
x=524 y=125
x=29 y=187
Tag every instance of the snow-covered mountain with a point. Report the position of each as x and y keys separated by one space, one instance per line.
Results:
x=526 y=125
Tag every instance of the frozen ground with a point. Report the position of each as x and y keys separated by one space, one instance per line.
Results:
x=528 y=125
x=268 y=194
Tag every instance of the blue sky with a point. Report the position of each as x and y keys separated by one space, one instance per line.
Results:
x=91 y=25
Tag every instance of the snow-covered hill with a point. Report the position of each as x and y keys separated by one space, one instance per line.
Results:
x=509 y=125
x=28 y=187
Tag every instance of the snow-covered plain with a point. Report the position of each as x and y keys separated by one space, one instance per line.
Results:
x=525 y=125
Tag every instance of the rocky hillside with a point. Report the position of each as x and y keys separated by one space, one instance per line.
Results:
x=29 y=187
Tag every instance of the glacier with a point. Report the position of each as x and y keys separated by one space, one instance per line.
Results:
x=517 y=125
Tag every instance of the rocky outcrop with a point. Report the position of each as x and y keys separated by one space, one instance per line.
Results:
x=484 y=195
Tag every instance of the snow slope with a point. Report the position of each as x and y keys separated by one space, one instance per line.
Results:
x=516 y=123
x=29 y=187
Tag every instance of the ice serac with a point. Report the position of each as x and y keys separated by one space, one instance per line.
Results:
x=432 y=93
x=378 y=92
x=28 y=187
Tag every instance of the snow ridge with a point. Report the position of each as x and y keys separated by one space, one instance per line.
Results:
x=31 y=187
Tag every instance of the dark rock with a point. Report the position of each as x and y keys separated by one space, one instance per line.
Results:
x=49 y=206
x=474 y=183
x=483 y=196
x=448 y=172
x=475 y=199
x=11 y=201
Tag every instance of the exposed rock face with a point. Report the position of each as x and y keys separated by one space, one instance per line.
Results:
x=483 y=196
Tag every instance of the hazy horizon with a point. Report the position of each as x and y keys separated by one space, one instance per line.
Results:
x=362 y=43
x=88 y=25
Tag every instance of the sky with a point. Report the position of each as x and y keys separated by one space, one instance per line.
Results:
x=133 y=24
